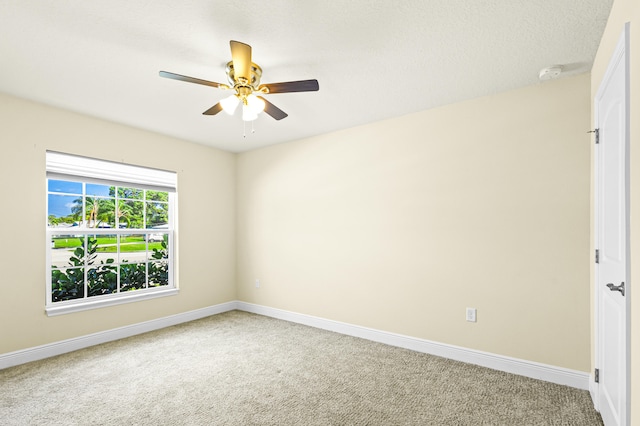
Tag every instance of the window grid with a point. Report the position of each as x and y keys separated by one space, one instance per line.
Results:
x=92 y=233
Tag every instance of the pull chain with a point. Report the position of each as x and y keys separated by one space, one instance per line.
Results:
x=244 y=128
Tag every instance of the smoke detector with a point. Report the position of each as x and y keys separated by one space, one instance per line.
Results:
x=550 y=73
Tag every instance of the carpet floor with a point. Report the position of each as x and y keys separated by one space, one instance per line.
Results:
x=238 y=368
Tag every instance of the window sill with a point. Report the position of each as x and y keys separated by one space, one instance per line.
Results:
x=104 y=301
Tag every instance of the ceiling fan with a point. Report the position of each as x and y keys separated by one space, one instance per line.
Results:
x=244 y=79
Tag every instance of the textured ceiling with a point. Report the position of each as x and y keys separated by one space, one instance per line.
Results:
x=373 y=59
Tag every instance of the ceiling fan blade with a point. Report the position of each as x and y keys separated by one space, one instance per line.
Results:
x=293 y=86
x=273 y=110
x=213 y=110
x=241 y=57
x=188 y=79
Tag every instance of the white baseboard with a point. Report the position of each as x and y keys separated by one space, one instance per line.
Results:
x=549 y=373
x=57 y=348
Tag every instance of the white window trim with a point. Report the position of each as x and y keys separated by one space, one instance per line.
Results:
x=90 y=169
x=70 y=167
x=60 y=308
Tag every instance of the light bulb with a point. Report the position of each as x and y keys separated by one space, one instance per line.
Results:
x=230 y=104
x=255 y=104
x=247 y=114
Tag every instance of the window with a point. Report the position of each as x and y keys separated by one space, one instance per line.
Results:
x=110 y=233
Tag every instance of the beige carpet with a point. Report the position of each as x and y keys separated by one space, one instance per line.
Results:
x=243 y=369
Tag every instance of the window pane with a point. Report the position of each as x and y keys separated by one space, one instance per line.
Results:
x=133 y=193
x=67 y=284
x=64 y=210
x=158 y=257
x=65 y=186
x=132 y=276
x=130 y=214
x=100 y=212
x=104 y=249
x=158 y=273
x=157 y=247
x=102 y=279
x=157 y=196
x=67 y=251
x=133 y=248
x=100 y=190
x=157 y=215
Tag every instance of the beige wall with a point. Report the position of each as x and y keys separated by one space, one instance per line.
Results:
x=206 y=182
x=398 y=225
x=401 y=224
x=628 y=11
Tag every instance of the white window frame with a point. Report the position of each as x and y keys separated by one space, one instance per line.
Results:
x=68 y=167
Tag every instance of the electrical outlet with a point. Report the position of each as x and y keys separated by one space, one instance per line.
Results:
x=257 y=283
x=471 y=314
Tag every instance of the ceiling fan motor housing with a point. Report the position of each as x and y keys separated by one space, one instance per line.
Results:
x=256 y=74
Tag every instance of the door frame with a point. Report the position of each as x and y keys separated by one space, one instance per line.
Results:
x=621 y=52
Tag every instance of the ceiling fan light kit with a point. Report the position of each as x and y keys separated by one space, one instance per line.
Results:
x=244 y=79
x=230 y=104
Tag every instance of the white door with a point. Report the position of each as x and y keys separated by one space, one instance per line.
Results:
x=612 y=242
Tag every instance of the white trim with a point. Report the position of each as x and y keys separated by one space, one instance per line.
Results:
x=535 y=370
x=57 y=348
x=61 y=165
x=60 y=308
x=549 y=373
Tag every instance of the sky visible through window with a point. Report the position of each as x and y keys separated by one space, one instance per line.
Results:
x=105 y=206
x=61 y=205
